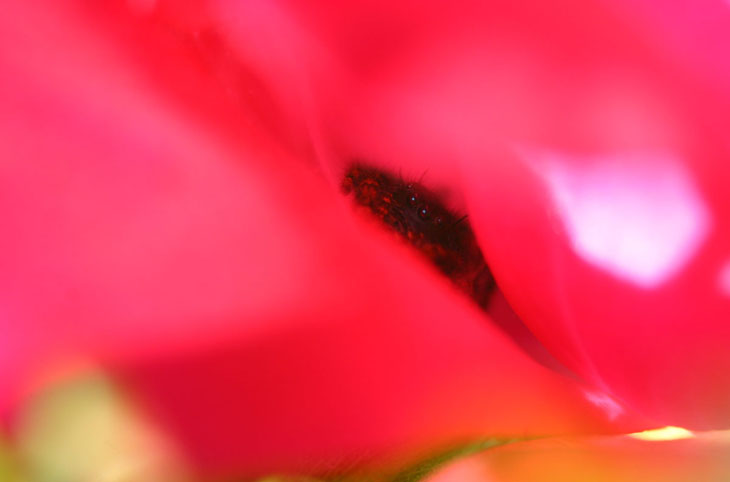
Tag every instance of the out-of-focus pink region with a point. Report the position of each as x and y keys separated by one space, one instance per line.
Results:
x=639 y=216
x=694 y=33
x=166 y=222
x=218 y=276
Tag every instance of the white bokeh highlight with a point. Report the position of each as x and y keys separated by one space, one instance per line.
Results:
x=604 y=402
x=636 y=215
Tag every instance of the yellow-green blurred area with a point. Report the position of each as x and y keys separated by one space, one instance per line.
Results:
x=8 y=471
x=86 y=430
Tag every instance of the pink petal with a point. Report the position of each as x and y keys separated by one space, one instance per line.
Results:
x=220 y=277
x=609 y=239
x=586 y=141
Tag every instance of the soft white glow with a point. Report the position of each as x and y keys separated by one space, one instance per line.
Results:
x=663 y=434
x=636 y=215
x=605 y=403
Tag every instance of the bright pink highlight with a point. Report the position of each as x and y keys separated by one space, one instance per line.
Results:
x=638 y=216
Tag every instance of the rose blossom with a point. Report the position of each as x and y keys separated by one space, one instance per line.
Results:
x=170 y=186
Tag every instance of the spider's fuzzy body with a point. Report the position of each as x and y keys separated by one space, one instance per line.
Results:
x=417 y=215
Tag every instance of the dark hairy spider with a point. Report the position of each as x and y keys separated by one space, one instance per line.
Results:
x=416 y=214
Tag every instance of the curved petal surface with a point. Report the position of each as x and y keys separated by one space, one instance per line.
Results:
x=221 y=278
x=587 y=144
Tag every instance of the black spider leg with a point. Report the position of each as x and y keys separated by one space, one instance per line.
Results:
x=483 y=286
x=460 y=220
